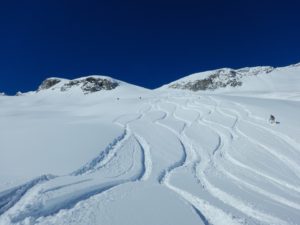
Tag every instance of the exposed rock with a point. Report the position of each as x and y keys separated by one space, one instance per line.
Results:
x=71 y=83
x=91 y=84
x=255 y=70
x=87 y=85
x=220 y=79
x=48 y=83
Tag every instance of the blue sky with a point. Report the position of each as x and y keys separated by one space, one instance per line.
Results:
x=148 y=43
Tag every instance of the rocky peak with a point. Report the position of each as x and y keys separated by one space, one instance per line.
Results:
x=220 y=78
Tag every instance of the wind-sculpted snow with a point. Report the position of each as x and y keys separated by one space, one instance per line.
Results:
x=172 y=159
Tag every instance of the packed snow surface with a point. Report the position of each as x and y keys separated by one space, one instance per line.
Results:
x=128 y=155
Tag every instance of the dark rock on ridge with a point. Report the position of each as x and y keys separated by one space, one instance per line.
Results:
x=91 y=84
x=88 y=85
x=220 y=79
x=48 y=83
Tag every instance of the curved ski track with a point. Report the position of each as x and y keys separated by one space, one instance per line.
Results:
x=205 y=112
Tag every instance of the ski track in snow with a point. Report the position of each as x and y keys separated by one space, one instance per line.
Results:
x=279 y=156
x=228 y=199
x=224 y=141
x=202 y=162
x=248 y=185
x=207 y=213
x=10 y=197
x=147 y=161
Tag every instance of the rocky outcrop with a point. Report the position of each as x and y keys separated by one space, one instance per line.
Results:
x=219 y=79
x=87 y=84
x=48 y=83
x=91 y=84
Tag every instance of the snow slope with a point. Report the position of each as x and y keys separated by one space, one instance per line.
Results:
x=129 y=155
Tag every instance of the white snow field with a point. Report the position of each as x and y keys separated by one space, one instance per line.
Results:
x=134 y=156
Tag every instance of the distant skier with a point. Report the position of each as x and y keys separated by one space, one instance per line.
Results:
x=272 y=120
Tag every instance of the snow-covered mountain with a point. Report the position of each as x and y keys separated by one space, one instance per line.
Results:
x=259 y=79
x=86 y=85
x=96 y=150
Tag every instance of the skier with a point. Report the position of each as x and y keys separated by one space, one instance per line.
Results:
x=272 y=119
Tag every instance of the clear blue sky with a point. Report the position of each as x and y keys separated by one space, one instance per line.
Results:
x=148 y=43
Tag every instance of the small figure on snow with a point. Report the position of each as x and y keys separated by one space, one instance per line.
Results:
x=272 y=120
